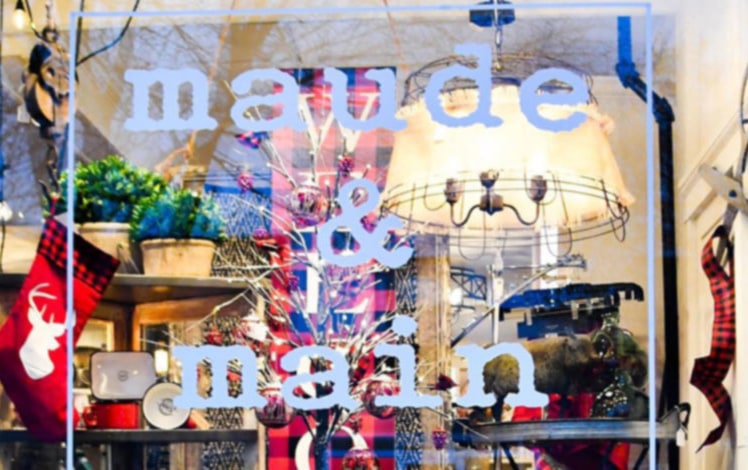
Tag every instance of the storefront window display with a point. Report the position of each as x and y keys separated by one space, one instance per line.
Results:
x=351 y=237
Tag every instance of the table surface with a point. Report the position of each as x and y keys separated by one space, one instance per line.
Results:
x=142 y=436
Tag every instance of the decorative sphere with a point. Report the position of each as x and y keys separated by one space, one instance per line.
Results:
x=308 y=205
x=276 y=413
x=377 y=387
x=214 y=337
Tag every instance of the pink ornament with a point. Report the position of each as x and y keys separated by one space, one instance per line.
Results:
x=369 y=222
x=261 y=234
x=346 y=165
x=377 y=387
x=245 y=181
x=439 y=437
x=293 y=282
x=276 y=413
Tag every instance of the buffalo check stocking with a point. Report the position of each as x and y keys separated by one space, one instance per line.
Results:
x=709 y=372
x=33 y=340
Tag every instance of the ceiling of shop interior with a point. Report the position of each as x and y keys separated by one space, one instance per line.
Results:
x=586 y=42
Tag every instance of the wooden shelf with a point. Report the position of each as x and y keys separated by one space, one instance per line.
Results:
x=137 y=288
x=143 y=436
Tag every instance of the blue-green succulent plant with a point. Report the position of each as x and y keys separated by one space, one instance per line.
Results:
x=177 y=213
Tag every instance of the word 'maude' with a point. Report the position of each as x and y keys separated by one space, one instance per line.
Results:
x=288 y=97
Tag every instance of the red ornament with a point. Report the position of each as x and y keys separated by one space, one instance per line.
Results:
x=245 y=181
x=214 y=337
x=444 y=383
x=360 y=459
x=276 y=413
x=377 y=387
x=364 y=367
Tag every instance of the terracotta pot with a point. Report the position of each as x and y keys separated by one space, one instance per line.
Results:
x=113 y=238
x=172 y=257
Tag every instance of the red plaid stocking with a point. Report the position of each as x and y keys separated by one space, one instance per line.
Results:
x=709 y=372
x=33 y=349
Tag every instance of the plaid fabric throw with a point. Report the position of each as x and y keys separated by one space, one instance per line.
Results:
x=710 y=371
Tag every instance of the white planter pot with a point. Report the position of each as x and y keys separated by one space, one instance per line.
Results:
x=112 y=238
x=172 y=257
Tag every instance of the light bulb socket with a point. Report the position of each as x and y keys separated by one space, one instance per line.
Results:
x=488 y=178
x=491 y=203
x=452 y=191
x=538 y=189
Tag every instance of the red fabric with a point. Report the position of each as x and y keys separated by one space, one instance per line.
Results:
x=33 y=340
x=710 y=371
x=577 y=455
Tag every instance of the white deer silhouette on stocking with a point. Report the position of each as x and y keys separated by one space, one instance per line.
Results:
x=42 y=339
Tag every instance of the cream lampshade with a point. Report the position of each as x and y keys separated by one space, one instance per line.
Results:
x=565 y=181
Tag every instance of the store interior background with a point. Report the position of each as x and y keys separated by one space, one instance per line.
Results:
x=700 y=53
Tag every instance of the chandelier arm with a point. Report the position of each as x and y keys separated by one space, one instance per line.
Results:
x=570 y=235
x=467 y=216
x=519 y=217
x=425 y=199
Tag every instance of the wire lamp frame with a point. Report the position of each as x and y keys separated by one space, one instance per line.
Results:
x=508 y=186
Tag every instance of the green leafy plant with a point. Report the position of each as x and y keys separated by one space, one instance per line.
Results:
x=107 y=190
x=177 y=213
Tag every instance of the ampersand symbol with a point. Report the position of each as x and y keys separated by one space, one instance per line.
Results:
x=370 y=244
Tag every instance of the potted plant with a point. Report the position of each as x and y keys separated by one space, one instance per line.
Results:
x=177 y=231
x=106 y=193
